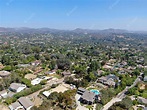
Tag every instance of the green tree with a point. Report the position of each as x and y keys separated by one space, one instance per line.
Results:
x=7 y=68
x=6 y=60
x=94 y=66
x=63 y=64
x=136 y=72
x=26 y=82
x=90 y=77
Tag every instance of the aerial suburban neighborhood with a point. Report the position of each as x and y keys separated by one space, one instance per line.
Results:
x=73 y=54
x=55 y=71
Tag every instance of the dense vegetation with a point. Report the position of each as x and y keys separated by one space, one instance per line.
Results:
x=125 y=104
x=64 y=101
x=82 y=54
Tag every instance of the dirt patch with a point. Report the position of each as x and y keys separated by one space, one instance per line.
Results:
x=30 y=76
x=37 y=101
x=59 y=88
x=3 y=107
x=142 y=86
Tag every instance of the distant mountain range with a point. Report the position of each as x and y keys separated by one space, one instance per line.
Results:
x=77 y=30
x=100 y=31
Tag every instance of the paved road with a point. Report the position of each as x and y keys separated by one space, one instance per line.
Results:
x=120 y=96
x=110 y=103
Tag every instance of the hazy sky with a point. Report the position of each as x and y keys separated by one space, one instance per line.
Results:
x=71 y=14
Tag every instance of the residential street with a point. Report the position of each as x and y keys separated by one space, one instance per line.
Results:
x=120 y=96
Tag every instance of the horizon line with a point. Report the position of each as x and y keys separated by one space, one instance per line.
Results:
x=72 y=28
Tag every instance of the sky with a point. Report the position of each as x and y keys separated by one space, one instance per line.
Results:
x=71 y=14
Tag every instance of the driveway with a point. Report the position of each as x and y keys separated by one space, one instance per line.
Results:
x=79 y=107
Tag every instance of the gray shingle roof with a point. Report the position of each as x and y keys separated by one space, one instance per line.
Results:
x=88 y=96
x=145 y=108
x=66 y=73
x=112 y=76
x=82 y=89
x=145 y=78
x=15 y=86
x=15 y=105
x=2 y=92
x=25 y=102
x=142 y=100
x=4 y=73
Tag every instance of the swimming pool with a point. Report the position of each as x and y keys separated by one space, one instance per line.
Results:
x=95 y=91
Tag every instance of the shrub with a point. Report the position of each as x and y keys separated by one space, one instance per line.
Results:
x=26 y=82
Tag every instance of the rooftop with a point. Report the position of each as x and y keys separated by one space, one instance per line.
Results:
x=46 y=93
x=142 y=100
x=2 y=92
x=4 y=73
x=15 y=86
x=15 y=105
x=81 y=89
x=25 y=102
x=89 y=96
x=66 y=73
x=145 y=78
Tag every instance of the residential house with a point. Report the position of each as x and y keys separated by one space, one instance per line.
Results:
x=108 y=67
x=131 y=68
x=145 y=79
x=124 y=63
x=3 y=94
x=17 y=87
x=100 y=72
x=26 y=103
x=121 y=72
x=145 y=108
x=36 y=81
x=48 y=78
x=112 y=61
x=110 y=80
x=11 y=94
x=46 y=93
x=50 y=72
x=23 y=65
x=140 y=66
x=36 y=63
x=88 y=97
x=142 y=100
x=81 y=90
x=15 y=106
x=66 y=73
x=4 y=74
